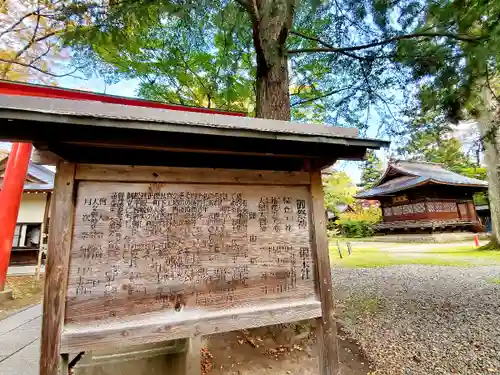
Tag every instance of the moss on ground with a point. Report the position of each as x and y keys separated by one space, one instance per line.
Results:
x=493 y=280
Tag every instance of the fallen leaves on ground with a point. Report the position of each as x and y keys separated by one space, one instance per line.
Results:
x=206 y=361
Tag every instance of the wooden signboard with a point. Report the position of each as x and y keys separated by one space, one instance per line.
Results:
x=142 y=254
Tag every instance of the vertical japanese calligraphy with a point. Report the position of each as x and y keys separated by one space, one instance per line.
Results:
x=141 y=247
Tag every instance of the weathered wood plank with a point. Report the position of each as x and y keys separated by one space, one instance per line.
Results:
x=326 y=325
x=140 y=247
x=45 y=157
x=56 y=278
x=97 y=172
x=157 y=327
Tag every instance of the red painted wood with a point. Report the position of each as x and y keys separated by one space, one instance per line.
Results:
x=10 y=200
x=24 y=89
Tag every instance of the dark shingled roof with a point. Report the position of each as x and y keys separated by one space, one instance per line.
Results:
x=45 y=175
x=38 y=177
x=416 y=174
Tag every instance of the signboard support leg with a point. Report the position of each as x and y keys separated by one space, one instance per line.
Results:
x=64 y=367
x=193 y=356
x=56 y=275
x=326 y=325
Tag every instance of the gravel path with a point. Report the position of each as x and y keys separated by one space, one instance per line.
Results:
x=416 y=319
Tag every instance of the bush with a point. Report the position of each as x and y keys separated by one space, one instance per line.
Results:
x=360 y=222
x=355 y=228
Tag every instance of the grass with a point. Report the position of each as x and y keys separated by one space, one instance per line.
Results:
x=361 y=308
x=466 y=252
x=368 y=257
x=367 y=305
x=493 y=280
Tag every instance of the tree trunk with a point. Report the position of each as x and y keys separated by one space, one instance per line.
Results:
x=271 y=21
x=273 y=96
x=489 y=123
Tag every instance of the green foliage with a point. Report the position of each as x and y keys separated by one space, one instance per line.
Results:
x=190 y=53
x=371 y=170
x=339 y=190
x=433 y=143
x=204 y=53
x=352 y=228
x=474 y=172
x=360 y=222
x=480 y=174
x=451 y=70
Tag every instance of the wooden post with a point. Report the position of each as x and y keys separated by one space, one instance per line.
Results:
x=43 y=234
x=326 y=325
x=56 y=273
x=193 y=356
x=339 y=249
x=349 y=248
x=64 y=368
x=44 y=230
x=10 y=200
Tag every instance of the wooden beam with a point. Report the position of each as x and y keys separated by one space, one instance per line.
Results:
x=44 y=157
x=158 y=327
x=56 y=276
x=133 y=146
x=326 y=325
x=97 y=172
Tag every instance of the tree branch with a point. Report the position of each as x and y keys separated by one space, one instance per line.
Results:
x=488 y=82
x=327 y=45
x=41 y=56
x=13 y=62
x=321 y=96
x=332 y=49
x=17 y=23
x=287 y=25
x=26 y=47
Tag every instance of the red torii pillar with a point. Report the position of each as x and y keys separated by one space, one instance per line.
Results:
x=10 y=200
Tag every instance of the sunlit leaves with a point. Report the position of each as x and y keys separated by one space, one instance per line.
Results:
x=449 y=69
x=339 y=190
x=29 y=46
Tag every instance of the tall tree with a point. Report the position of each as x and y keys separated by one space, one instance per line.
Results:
x=371 y=170
x=30 y=49
x=457 y=79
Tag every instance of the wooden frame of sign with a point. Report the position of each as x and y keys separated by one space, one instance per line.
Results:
x=148 y=254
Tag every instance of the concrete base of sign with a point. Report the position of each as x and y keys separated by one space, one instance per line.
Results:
x=177 y=357
x=5 y=295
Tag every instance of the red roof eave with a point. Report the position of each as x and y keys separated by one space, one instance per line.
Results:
x=26 y=89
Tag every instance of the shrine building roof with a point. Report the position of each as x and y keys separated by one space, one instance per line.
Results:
x=76 y=129
x=402 y=175
x=38 y=177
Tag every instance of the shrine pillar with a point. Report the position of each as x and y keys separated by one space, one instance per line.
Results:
x=10 y=200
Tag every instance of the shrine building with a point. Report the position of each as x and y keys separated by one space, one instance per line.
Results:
x=420 y=196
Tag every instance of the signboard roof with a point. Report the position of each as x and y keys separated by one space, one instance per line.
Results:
x=99 y=114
